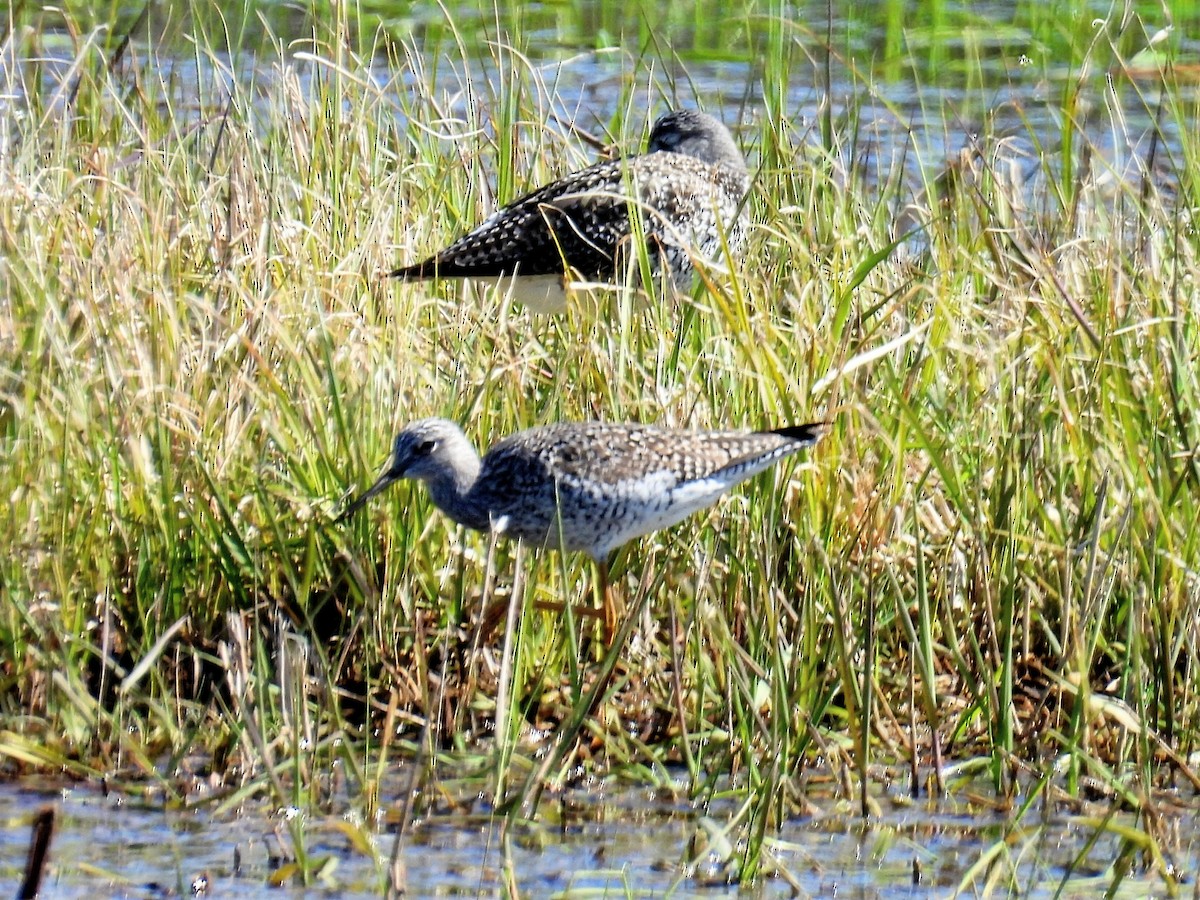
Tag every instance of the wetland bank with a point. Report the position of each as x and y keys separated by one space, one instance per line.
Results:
x=952 y=648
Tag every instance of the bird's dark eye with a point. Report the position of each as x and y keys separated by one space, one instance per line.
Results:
x=424 y=448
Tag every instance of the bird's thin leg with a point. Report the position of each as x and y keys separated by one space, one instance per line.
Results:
x=587 y=612
x=493 y=609
x=612 y=616
x=584 y=610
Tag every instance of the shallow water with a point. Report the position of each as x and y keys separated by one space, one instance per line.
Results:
x=910 y=95
x=623 y=842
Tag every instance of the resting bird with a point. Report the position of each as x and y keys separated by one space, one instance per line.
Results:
x=687 y=189
x=589 y=486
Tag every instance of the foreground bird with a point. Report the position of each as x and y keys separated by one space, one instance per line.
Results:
x=688 y=190
x=589 y=486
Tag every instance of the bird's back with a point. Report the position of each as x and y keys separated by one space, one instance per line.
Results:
x=584 y=220
x=597 y=485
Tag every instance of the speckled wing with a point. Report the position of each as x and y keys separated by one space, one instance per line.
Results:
x=612 y=454
x=614 y=482
x=584 y=219
x=581 y=218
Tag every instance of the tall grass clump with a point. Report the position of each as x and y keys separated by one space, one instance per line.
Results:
x=987 y=569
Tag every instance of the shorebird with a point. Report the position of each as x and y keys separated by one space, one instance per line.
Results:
x=687 y=189
x=581 y=486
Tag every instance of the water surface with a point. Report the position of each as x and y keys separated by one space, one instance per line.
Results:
x=604 y=841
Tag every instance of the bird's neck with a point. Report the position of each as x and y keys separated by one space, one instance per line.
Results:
x=452 y=491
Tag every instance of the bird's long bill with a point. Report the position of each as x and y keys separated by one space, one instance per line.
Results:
x=359 y=502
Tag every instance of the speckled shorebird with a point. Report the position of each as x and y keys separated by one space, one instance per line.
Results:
x=688 y=188
x=590 y=486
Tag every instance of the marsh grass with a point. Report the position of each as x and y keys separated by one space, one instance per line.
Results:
x=988 y=565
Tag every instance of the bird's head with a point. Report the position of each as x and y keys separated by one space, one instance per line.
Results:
x=696 y=134
x=426 y=450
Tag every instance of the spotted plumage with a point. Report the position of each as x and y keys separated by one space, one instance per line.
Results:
x=687 y=189
x=589 y=486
